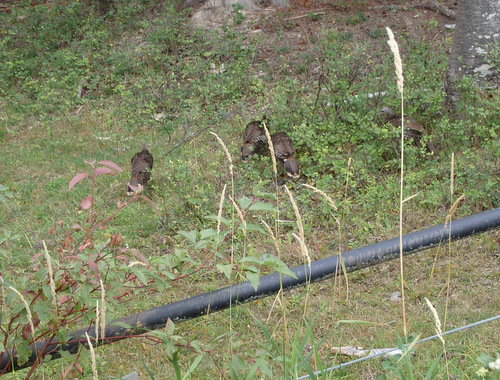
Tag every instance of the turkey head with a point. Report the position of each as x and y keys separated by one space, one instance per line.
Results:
x=284 y=150
x=141 y=165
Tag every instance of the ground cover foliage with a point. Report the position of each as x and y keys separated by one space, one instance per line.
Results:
x=84 y=86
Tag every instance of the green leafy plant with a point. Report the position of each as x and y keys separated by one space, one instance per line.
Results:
x=87 y=266
x=238 y=17
x=490 y=367
x=5 y=194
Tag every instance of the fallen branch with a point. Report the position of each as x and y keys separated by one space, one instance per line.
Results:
x=428 y=4
x=437 y=7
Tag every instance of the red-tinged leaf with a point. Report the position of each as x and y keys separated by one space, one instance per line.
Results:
x=68 y=240
x=92 y=265
x=86 y=202
x=116 y=240
x=35 y=257
x=83 y=246
x=77 y=227
x=103 y=170
x=72 y=258
x=91 y=163
x=110 y=164
x=139 y=256
x=77 y=178
x=72 y=371
x=60 y=223
x=51 y=231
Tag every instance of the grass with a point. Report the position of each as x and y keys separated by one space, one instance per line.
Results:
x=136 y=69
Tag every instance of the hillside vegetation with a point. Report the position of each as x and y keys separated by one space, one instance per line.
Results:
x=84 y=87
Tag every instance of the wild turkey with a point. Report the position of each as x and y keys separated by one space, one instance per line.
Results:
x=141 y=165
x=413 y=130
x=283 y=149
x=254 y=139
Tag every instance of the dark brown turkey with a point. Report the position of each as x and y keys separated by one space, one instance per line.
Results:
x=413 y=130
x=254 y=139
x=284 y=150
x=141 y=166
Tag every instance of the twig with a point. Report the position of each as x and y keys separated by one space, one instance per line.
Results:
x=308 y=14
x=189 y=138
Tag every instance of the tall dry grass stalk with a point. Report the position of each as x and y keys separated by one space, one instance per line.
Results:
x=277 y=248
x=453 y=209
x=397 y=60
x=341 y=260
x=305 y=253
x=3 y=305
x=400 y=81
x=439 y=331
x=219 y=213
x=280 y=296
x=28 y=310
x=448 y=220
x=301 y=237
x=304 y=249
x=103 y=311
x=240 y=215
x=323 y=194
x=97 y=318
x=275 y=170
x=51 y=275
x=271 y=149
x=92 y=356
x=452 y=175
x=337 y=279
x=228 y=155
x=437 y=321
x=348 y=176
x=275 y=241
x=230 y=160
x=219 y=216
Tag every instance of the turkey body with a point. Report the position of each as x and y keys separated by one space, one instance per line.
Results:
x=141 y=166
x=254 y=139
x=413 y=130
x=284 y=150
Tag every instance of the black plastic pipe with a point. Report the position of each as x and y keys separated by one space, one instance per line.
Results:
x=244 y=292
